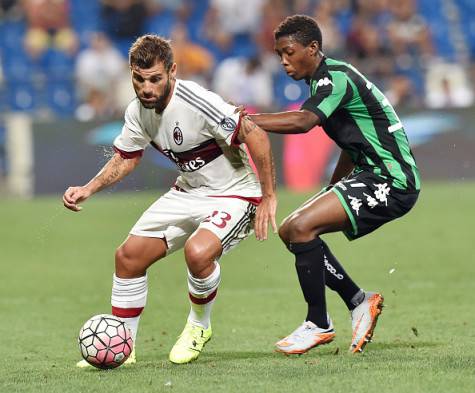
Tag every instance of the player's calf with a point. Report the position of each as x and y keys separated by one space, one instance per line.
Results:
x=197 y=332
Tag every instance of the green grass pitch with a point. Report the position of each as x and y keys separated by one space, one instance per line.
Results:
x=56 y=271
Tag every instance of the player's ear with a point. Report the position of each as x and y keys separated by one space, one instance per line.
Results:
x=173 y=70
x=314 y=48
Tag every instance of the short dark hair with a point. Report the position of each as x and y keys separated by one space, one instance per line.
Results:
x=148 y=49
x=302 y=27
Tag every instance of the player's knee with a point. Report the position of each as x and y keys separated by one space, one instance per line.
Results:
x=284 y=232
x=298 y=230
x=125 y=265
x=197 y=257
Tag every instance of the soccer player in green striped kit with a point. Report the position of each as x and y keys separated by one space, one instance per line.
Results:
x=375 y=181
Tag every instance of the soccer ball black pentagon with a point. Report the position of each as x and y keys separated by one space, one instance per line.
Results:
x=105 y=341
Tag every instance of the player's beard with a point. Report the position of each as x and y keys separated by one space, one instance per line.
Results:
x=159 y=103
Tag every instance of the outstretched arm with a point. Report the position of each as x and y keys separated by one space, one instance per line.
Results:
x=291 y=122
x=259 y=148
x=115 y=170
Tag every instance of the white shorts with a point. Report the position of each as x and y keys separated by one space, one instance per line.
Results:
x=176 y=215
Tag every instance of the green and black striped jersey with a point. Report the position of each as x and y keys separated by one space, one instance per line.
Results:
x=360 y=119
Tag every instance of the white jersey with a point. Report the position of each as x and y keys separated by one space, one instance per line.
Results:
x=198 y=132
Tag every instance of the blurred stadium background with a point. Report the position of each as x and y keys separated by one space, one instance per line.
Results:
x=64 y=84
x=64 y=80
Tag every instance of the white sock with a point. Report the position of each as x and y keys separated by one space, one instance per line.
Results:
x=202 y=292
x=129 y=296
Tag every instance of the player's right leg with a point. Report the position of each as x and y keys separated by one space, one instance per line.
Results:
x=224 y=223
x=204 y=275
x=129 y=284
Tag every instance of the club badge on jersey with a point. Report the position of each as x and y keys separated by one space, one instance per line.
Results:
x=177 y=135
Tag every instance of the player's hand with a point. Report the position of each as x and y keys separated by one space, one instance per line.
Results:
x=241 y=109
x=265 y=213
x=73 y=196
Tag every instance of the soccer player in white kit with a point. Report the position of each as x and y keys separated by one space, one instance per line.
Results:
x=214 y=204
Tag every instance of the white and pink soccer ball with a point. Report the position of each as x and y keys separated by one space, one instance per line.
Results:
x=105 y=341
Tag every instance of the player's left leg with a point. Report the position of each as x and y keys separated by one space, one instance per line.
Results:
x=300 y=232
x=202 y=250
x=336 y=278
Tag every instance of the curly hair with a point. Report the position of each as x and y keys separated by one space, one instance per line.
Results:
x=302 y=28
x=148 y=49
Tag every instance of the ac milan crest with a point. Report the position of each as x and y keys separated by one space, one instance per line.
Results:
x=177 y=136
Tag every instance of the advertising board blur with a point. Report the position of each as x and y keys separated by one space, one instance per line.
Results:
x=70 y=153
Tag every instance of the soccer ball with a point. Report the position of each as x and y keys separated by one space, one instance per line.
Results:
x=105 y=341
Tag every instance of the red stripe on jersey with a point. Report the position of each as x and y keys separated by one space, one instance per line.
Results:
x=203 y=300
x=126 y=312
x=208 y=151
x=235 y=139
x=253 y=200
x=127 y=155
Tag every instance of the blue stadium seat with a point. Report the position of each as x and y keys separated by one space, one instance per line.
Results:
x=161 y=23
x=58 y=65
x=195 y=21
x=61 y=97
x=244 y=46
x=12 y=34
x=18 y=66
x=21 y=96
x=467 y=12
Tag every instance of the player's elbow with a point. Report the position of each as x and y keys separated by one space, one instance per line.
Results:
x=305 y=121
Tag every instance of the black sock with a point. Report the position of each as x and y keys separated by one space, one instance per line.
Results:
x=339 y=281
x=311 y=272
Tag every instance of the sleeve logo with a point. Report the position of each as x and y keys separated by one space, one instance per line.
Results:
x=228 y=124
x=325 y=82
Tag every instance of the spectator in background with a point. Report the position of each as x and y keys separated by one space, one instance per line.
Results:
x=48 y=26
x=226 y=19
x=408 y=32
x=99 y=69
x=244 y=81
x=181 y=8
x=124 y=19
x=10 y=10
x=274 y=11
x=194 y=62
x=369 y=48
x=400 y=91
x=411 y=45
x=448 y=86
x=334 y=41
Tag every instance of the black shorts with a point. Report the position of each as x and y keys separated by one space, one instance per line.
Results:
x=370 y=201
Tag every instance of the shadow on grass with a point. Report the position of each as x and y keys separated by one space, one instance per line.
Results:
x=212 y=358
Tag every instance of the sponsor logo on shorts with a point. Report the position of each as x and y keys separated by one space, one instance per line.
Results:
x=370 y=201
x=382 y=192
x=355 y=204
x=341 y=185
